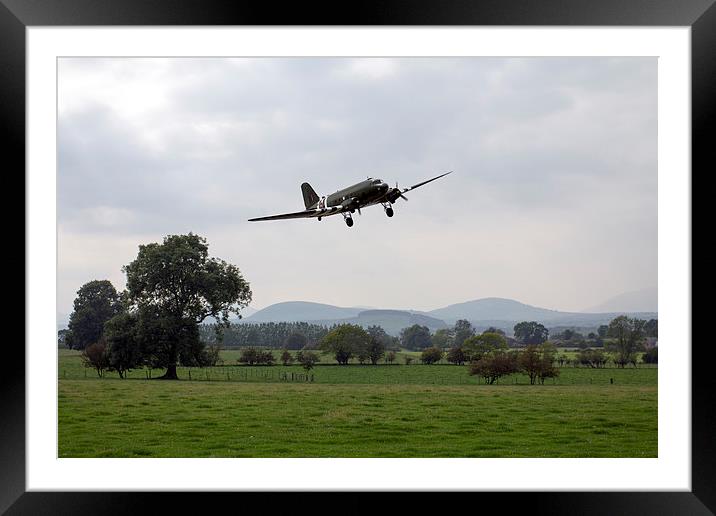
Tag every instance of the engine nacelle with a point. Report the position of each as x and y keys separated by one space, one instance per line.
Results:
x=393 y=195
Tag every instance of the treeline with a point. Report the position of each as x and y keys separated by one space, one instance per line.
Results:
x=570 y=337
x=271 y=335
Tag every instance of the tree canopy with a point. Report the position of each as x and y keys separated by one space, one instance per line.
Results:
x=346 y=341
x=96 y=303
x=444 y=338
x=463 y=330
x=478 y=346
x=531 y=332
x=415 y=337
x=124 y=352
x=628 y=337
x=174 y=286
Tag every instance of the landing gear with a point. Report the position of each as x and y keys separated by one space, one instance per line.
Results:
x=349 y=220
x=388 y=209
x=319 y=219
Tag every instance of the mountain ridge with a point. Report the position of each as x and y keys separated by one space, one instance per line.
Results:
x=492 y=311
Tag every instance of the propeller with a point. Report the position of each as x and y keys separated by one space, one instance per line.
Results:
x=397 y=191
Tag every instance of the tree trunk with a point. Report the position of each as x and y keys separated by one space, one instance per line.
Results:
x=171 y=373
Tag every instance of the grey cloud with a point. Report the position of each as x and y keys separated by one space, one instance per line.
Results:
x=564 y=145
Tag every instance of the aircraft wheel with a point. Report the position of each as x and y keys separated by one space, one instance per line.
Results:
x=349 y=222
x=389 y=212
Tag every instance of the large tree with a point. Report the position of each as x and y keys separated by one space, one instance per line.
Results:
x=379 y=334
x=538 y=362
x=96 y=303
x=495 y=365
x=463 y=331
x=415 y=337
x=531 y=332
x=174 y=286
x=628 y=335
x=444 y=338
x=478 y=346
x=346 y=341
x=376 y=350
x=124 y=352
x=431 y=355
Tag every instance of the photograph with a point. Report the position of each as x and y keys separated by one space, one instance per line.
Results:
x=357 y=257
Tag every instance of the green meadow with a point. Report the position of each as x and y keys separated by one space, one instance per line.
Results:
x=354 y=411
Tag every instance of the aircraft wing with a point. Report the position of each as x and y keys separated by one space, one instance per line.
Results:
x=301 y=214
x=424 y=182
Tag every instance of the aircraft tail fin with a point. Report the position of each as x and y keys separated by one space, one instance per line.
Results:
x=310 y=197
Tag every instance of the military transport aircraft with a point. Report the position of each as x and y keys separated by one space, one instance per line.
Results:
x=347 y=201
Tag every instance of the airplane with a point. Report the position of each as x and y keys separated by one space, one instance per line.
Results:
x=360 y=195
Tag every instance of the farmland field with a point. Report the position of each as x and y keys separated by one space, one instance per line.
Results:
x=355 y=411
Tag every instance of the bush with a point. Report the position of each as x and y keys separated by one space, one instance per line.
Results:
x=431 y=355
x=210 y=356
x=249 y=356
x=307 y=359
x=253 y=356
x=95 y=356
x=390 y=357
x=538 y=362
x=594 y=358
x=456 y=356
x=495 y=365
x=286 y=357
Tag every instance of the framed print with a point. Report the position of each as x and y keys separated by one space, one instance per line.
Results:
x=551 y=146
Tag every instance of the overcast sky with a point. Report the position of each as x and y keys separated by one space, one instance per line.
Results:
x=553 y=199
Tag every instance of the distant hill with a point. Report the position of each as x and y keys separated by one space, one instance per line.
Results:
x=293 y=311
x=644 y=300
x=494 y=309
x=248 y=311
x=482 y=313
x=392 y=321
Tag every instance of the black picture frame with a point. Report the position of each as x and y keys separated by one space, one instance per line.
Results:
x=700 y=15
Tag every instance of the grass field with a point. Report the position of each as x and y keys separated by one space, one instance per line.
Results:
x=356 y=411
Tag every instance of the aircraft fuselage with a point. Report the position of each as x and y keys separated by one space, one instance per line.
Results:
x=365 y=193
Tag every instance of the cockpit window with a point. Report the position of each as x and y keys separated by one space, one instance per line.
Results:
x=377 y=181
